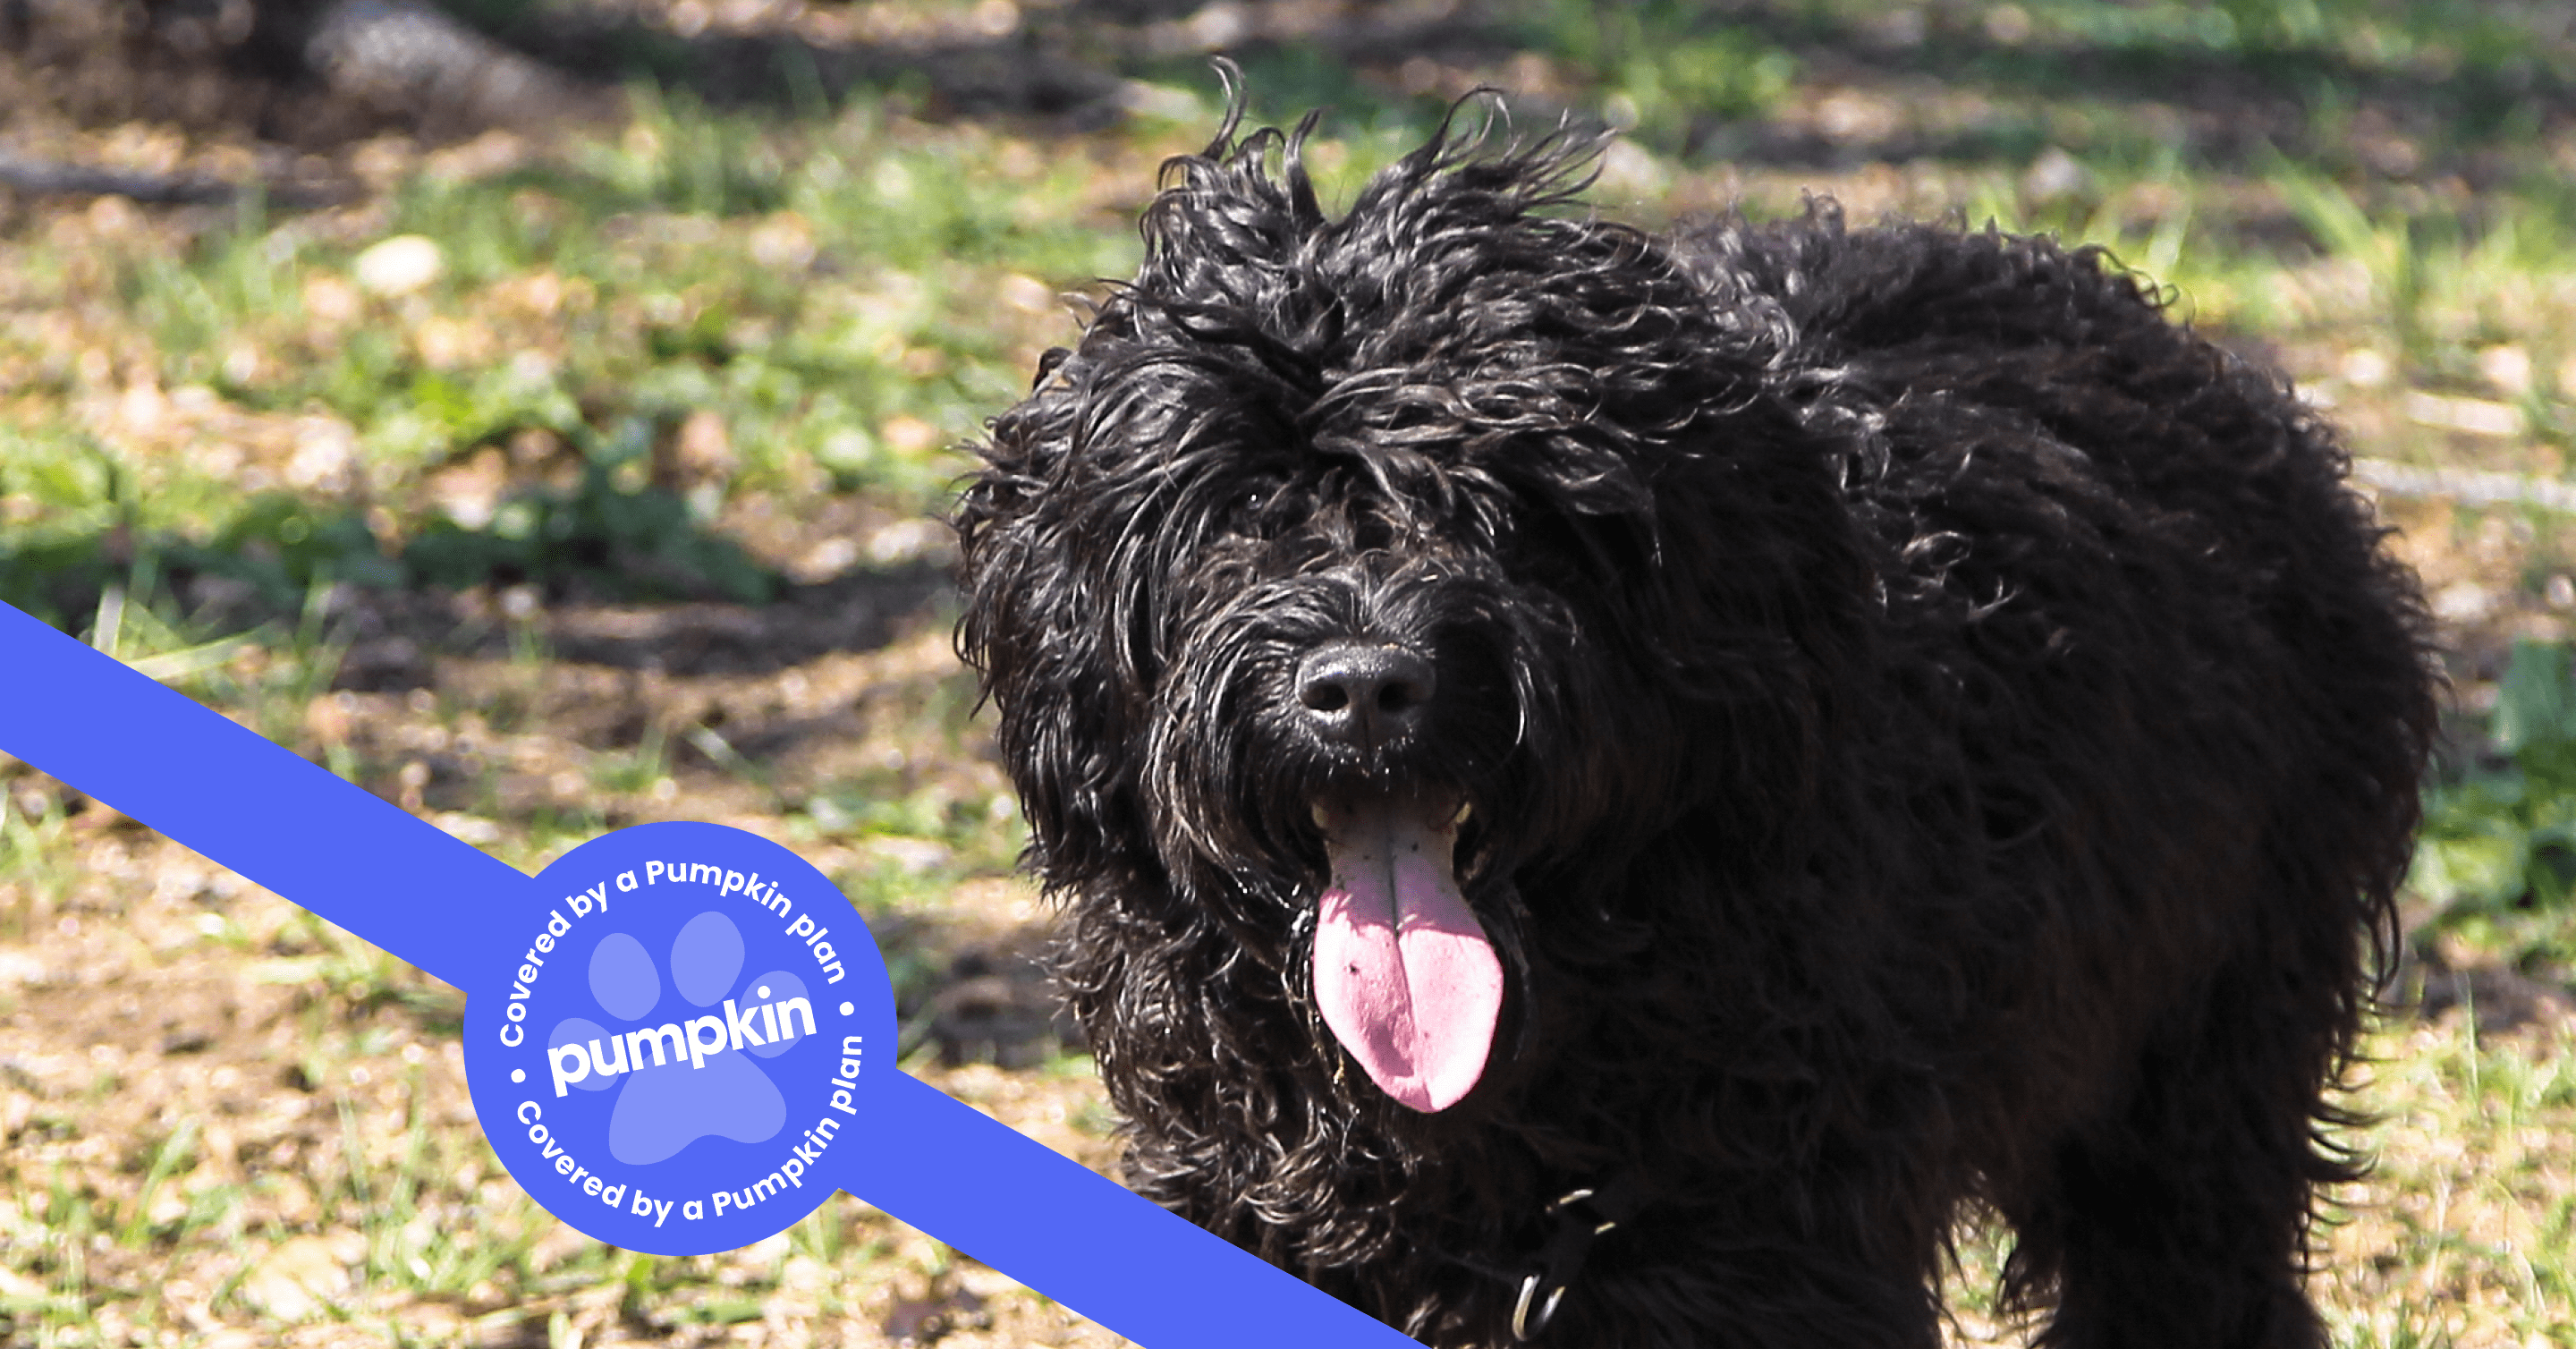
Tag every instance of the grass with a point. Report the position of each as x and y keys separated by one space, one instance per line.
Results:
x=723 y=357
x=2431 y=1251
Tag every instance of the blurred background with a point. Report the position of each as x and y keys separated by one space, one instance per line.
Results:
x=542 y=415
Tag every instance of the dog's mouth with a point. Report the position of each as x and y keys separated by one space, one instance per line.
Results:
x=1403 y=972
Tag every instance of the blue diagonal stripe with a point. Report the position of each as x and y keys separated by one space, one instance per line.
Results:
x=1098 y=1248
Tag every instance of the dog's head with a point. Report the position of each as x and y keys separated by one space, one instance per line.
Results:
x=1366 y=589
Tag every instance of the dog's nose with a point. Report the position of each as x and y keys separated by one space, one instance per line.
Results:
x=1364 y=693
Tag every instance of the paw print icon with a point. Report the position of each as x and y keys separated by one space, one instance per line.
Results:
x=684 y=1057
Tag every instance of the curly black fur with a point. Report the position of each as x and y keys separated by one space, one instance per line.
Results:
x=1939 y=737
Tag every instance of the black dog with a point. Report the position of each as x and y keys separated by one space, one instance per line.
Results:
x=1608 y=788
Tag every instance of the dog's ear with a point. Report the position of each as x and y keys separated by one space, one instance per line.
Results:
x=1044 y=639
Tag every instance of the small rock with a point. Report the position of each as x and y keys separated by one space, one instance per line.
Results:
x=331 y=301
x=2053 y=176
x=907 y=541
x=470 y=492
x=825 y=560
x=1029 y=295
x=20 y=967
x=2508 y=368
x=995 y=19
x=400 y=265
x=1629 y=169
x=909 y=435
x=297 y=1279
x=2463 y=602
x=2363 y=368
x=326 y=455
x=783 y=244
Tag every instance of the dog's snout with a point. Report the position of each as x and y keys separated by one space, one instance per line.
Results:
x=1364 y=693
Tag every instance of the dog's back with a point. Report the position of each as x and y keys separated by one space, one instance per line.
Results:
x=2146 y=643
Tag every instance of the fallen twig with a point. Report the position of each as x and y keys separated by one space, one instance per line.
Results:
x=49 y=178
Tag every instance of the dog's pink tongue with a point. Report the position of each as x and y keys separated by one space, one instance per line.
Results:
x=1403 y=972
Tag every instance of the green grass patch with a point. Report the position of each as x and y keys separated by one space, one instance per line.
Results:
x=2498 y=854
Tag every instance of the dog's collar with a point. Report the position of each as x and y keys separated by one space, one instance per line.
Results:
x=1581 y=1216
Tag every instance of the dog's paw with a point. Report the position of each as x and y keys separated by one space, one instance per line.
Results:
x=687 y=1076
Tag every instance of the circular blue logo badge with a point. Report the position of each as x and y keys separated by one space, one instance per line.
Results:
x=675 y=1054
